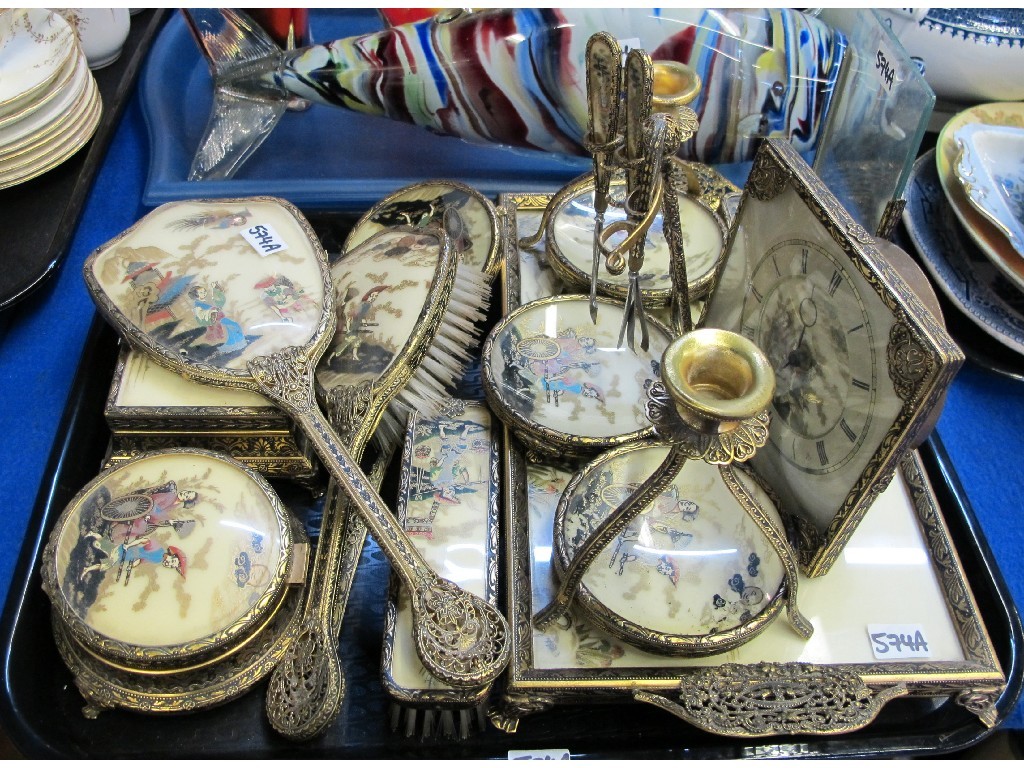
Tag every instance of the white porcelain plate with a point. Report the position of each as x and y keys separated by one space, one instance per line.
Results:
x=56 y=149
x=34 y=46
x=991 y=170
x=52 y=114
x=70 y=71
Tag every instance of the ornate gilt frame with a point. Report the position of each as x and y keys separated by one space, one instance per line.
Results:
x=700 y=693
x=922 y=357
x=644 y=637
x=260 y=436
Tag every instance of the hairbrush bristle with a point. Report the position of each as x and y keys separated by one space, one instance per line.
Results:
x=439 y=721
x=446 y=359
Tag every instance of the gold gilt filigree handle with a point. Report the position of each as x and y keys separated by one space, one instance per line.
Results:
x=460 y=638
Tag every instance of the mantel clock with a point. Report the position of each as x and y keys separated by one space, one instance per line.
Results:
x=861 y=364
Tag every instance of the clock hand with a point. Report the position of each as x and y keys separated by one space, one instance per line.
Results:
x=799 y=356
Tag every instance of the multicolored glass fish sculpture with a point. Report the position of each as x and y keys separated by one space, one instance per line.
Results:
x=516 y=77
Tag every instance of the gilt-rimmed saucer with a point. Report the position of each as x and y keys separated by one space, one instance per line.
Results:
x=991 y=170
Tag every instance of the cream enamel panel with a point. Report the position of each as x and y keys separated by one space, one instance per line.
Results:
x=170 y=550
x=188 y=278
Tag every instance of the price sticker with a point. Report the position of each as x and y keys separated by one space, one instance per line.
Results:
x=264 y=239
x=887 y=67
x=898 y=641
x=539 y=754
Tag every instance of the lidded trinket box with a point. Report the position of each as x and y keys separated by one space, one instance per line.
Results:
x=170 y=579
x=150 y=408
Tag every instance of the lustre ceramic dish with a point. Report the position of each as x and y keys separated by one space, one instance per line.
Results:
x=68 y=72
x=985 y=234
x=960 y=270
x=467 y=216
x=691 y=575
x=570 y=237
x=63 y=104
x=57 y=153
x=169 y=559
x=991 y=169
x=562 y=383
x=62 y=132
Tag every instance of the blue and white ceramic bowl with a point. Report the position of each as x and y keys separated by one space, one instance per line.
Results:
x=991 y=170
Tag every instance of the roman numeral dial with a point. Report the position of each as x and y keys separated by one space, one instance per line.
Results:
x=805 y=313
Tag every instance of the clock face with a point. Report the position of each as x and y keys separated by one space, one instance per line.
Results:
x=860 y=363
x=806 y=313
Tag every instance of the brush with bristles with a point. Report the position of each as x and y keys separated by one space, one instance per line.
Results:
x=464 y=434
x=403 y=365
x=446 y=360
x=444 y=721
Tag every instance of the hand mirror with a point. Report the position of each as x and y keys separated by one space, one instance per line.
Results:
x=237 y=293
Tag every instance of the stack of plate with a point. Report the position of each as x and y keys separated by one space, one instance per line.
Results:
x=965 y=216
x=49 y=103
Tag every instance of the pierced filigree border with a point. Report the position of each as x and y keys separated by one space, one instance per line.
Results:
x=531 y=689
x=445 y=696
x=104 y=687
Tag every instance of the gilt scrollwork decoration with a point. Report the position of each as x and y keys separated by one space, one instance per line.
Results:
x=908 y=362
x=289 y=374
x=767 y=177
x=772 y=699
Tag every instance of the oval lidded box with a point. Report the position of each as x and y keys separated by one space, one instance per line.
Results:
x=171 y=559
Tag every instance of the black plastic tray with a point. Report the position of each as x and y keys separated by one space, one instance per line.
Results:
x=39 y=216
x=41 y=710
